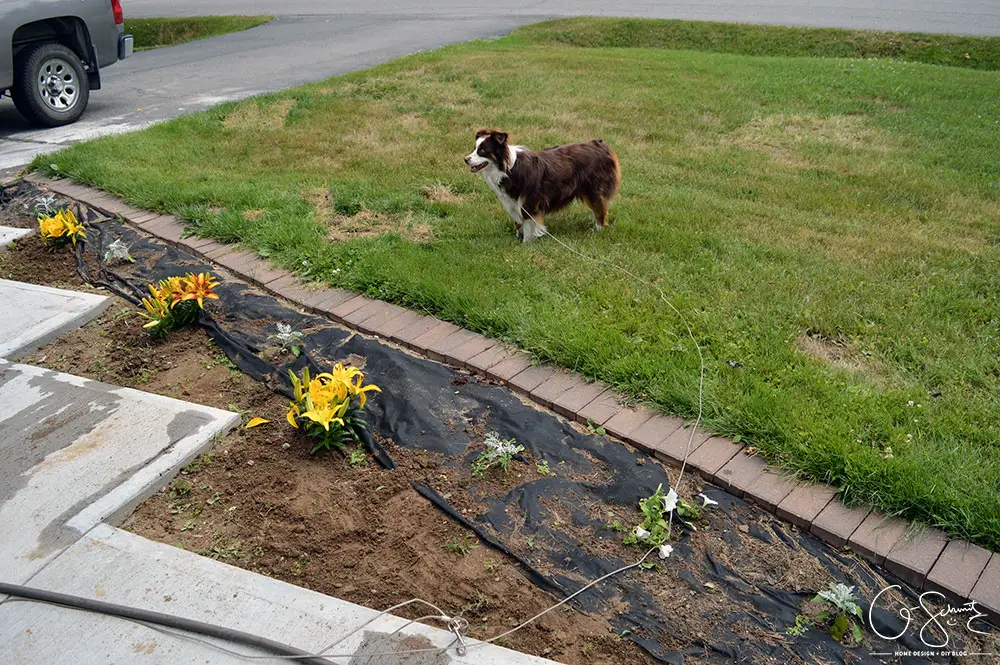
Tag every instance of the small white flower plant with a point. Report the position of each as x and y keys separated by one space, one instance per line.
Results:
x=654 y=530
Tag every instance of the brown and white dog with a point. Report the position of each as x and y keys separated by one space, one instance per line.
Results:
x=532 y=184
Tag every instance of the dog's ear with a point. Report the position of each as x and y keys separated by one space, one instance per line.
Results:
x=482 y=132
x=499 y=137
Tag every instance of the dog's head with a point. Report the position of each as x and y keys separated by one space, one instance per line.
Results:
x=491 y=148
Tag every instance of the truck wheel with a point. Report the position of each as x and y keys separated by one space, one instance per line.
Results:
x=50 y=87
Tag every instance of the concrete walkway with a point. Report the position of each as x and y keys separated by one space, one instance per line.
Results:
x=9 y=235
x=77 y=452
x=163 y=578
x=35 y=315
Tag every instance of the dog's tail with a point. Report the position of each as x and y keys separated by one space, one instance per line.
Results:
x=618 y=169
x=614 y=160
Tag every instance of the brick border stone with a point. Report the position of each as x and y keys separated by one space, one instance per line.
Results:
x=770 y=488
x=740 y=472
x=913 y=556
x=837 y=522
x=804 y=503
x=987 y=590
x=876 y=536
x=926 y=560
x=958 y=569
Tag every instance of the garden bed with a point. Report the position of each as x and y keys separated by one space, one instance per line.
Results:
x=731 y=589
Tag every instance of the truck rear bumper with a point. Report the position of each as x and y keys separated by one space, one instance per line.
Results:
x=126 y=46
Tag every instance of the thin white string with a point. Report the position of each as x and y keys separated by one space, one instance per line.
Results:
x=441 y=617
x=701 y=357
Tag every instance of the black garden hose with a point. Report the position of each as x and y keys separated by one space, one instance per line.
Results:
x=160 y=619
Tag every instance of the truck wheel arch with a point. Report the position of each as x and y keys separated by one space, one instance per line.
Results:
x=69 y=31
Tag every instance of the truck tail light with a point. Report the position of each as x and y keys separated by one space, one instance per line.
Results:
x=116 y=7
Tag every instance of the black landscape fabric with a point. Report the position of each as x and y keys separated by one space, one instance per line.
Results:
x=556 y=527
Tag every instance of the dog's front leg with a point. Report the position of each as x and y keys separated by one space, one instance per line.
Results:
x=518 y=218
x=533 y=228
x=527 y=231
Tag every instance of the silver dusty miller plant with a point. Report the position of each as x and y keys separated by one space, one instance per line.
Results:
x=841 y=614
x=45 y=206
x=288 y=340
x=499 y=452
x=118 y=251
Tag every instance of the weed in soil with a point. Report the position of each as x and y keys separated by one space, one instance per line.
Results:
x=461 y=546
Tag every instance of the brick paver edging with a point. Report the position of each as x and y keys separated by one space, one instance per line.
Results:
x=924 y=557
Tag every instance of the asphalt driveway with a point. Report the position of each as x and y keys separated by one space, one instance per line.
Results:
x=315 y=39
x=164 y=83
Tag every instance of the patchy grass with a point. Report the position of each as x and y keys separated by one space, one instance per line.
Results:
x=828 y=227
x=769 y=40
x=260 y=116
x=152 y=33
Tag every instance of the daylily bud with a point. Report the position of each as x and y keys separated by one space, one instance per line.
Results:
x=665 y=551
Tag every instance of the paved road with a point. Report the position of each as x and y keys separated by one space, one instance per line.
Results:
x=974 y=17
x=314 y=39
x=157 y=85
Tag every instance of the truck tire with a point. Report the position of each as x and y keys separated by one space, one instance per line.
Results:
x=50 y=85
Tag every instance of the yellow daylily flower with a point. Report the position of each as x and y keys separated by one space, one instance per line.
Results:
x=296 y=384
x=74 y=229
x=361 y=393
x=322 y=390
x=156 y=310
x=324 y=416
x=168 y=290
x=327 y=398
x=51 y=227
x=62 y=225
x=345 y=375
x=293 y=413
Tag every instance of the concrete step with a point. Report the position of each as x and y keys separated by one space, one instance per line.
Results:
x=75 y=453
x=9 y=234
x=31 y=315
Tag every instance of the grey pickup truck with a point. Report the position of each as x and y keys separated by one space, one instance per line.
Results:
x=52 y=53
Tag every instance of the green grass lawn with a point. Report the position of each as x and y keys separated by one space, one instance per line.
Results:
x=828 y=226
x=156 y=32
